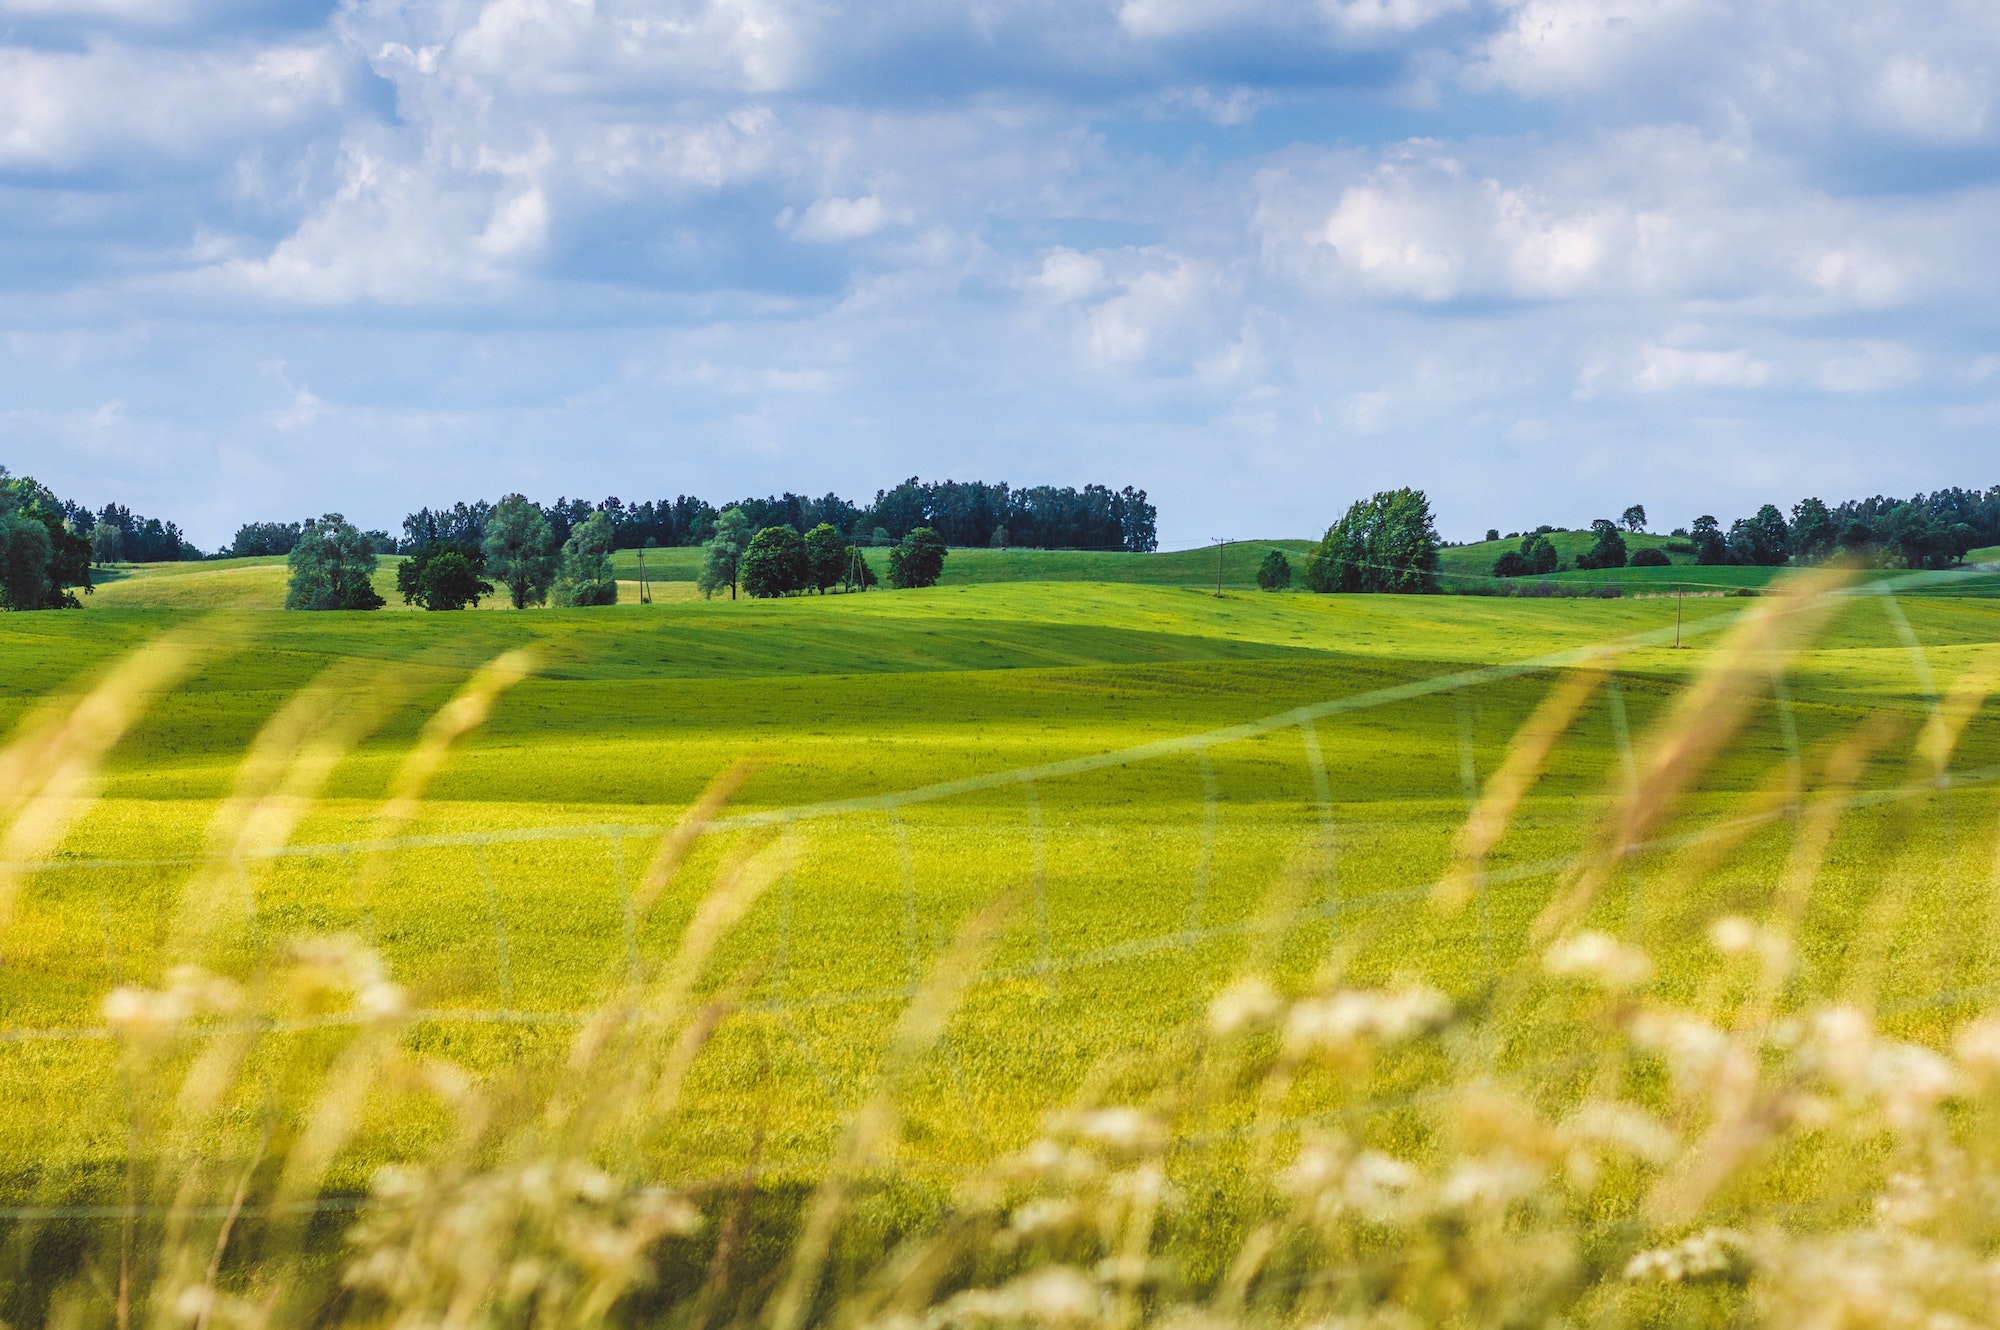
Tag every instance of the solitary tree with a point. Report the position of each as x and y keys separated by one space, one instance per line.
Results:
x=332 y=567
x=826 y=557
x=1274 y=573
x=520 y=552
x=1634 y=518
x=1385 y=543
x=1492 y=533
x=583 y=574
x=918 y=560
x=722 y=552
x=775 y=564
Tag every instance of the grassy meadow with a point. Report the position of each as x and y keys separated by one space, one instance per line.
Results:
x=1052 y=807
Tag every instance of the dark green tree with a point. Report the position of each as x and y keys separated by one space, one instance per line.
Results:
x=1607 y=550
x=520 y=551
x=332 y=568
x=1387 y=543
x=583 y=571
x=775 y=564
x=1511 y=564
x=1538 y=554
x=1650 y=557
x=41 y=554
x=1764 y=541
x=1274 y=572
x=1634 y=518
x=443 y=575
x=918 y=560
x=1711 y=547
x=1815 y=532
x=826 y=557
x=722 y=552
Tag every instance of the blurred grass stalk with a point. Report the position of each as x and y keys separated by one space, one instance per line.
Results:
x=1598 y=1136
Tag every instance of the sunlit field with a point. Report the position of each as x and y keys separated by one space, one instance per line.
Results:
x=981 y=861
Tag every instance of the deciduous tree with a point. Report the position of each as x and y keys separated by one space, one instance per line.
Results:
x=1274 y=572
x=1387 y=543
x=332 y=567
x=583 y=574
x=520 y=551
x=775 y=564
x=722 y=552
x=826 y=557
x=918 y=560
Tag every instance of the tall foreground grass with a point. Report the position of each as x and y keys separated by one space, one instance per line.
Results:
x=1592 y=1135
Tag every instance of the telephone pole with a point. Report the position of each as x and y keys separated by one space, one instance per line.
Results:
x=1220 y=543
x=645 y=586
x=1677 y=616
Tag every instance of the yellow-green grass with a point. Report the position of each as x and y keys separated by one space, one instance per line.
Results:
x=1237 y=565
x=635 y=708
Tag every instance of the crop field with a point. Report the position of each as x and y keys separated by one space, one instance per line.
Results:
x=1063 y=800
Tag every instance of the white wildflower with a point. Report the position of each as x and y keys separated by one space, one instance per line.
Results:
x=1053 y=1296
x=1732 y=935
x=1347 y=1018
x=1125 y=1130
x=1714 y=1253
x=1691 y=1047
x=1490 y=1183
x=1598 y=957
x=1978 y=1048
x=1249 y=1003
x=1621 y=1127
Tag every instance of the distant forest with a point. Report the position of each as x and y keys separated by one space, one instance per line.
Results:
x=973 y=513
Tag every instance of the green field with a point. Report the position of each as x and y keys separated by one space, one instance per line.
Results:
x=1136 y=885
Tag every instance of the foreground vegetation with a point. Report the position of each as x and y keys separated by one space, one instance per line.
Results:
x=1228 y=1029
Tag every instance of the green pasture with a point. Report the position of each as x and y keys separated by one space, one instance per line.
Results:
x=1136 y=886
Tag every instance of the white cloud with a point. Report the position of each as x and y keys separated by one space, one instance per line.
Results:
x=1558 y=46
x=1066 y=276
x=1353 y=19
x=63 y=109
x=1940 y=104
x=1664 y=368
x=837 y=219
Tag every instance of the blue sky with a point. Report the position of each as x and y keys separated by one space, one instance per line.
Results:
x=1543 y=258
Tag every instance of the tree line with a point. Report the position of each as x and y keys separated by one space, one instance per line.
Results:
x=332 y=564
x=964 y=514
x=1926 y=531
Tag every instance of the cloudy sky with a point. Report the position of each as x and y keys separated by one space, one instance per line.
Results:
x=1543 y=258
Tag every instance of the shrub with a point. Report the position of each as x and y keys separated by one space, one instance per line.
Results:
x=1274 y=573
x=1650 y=558
x=1511 y=564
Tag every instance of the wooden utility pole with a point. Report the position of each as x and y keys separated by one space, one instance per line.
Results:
x=1677 y=616
x=1220 y=542
x=645 y=587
